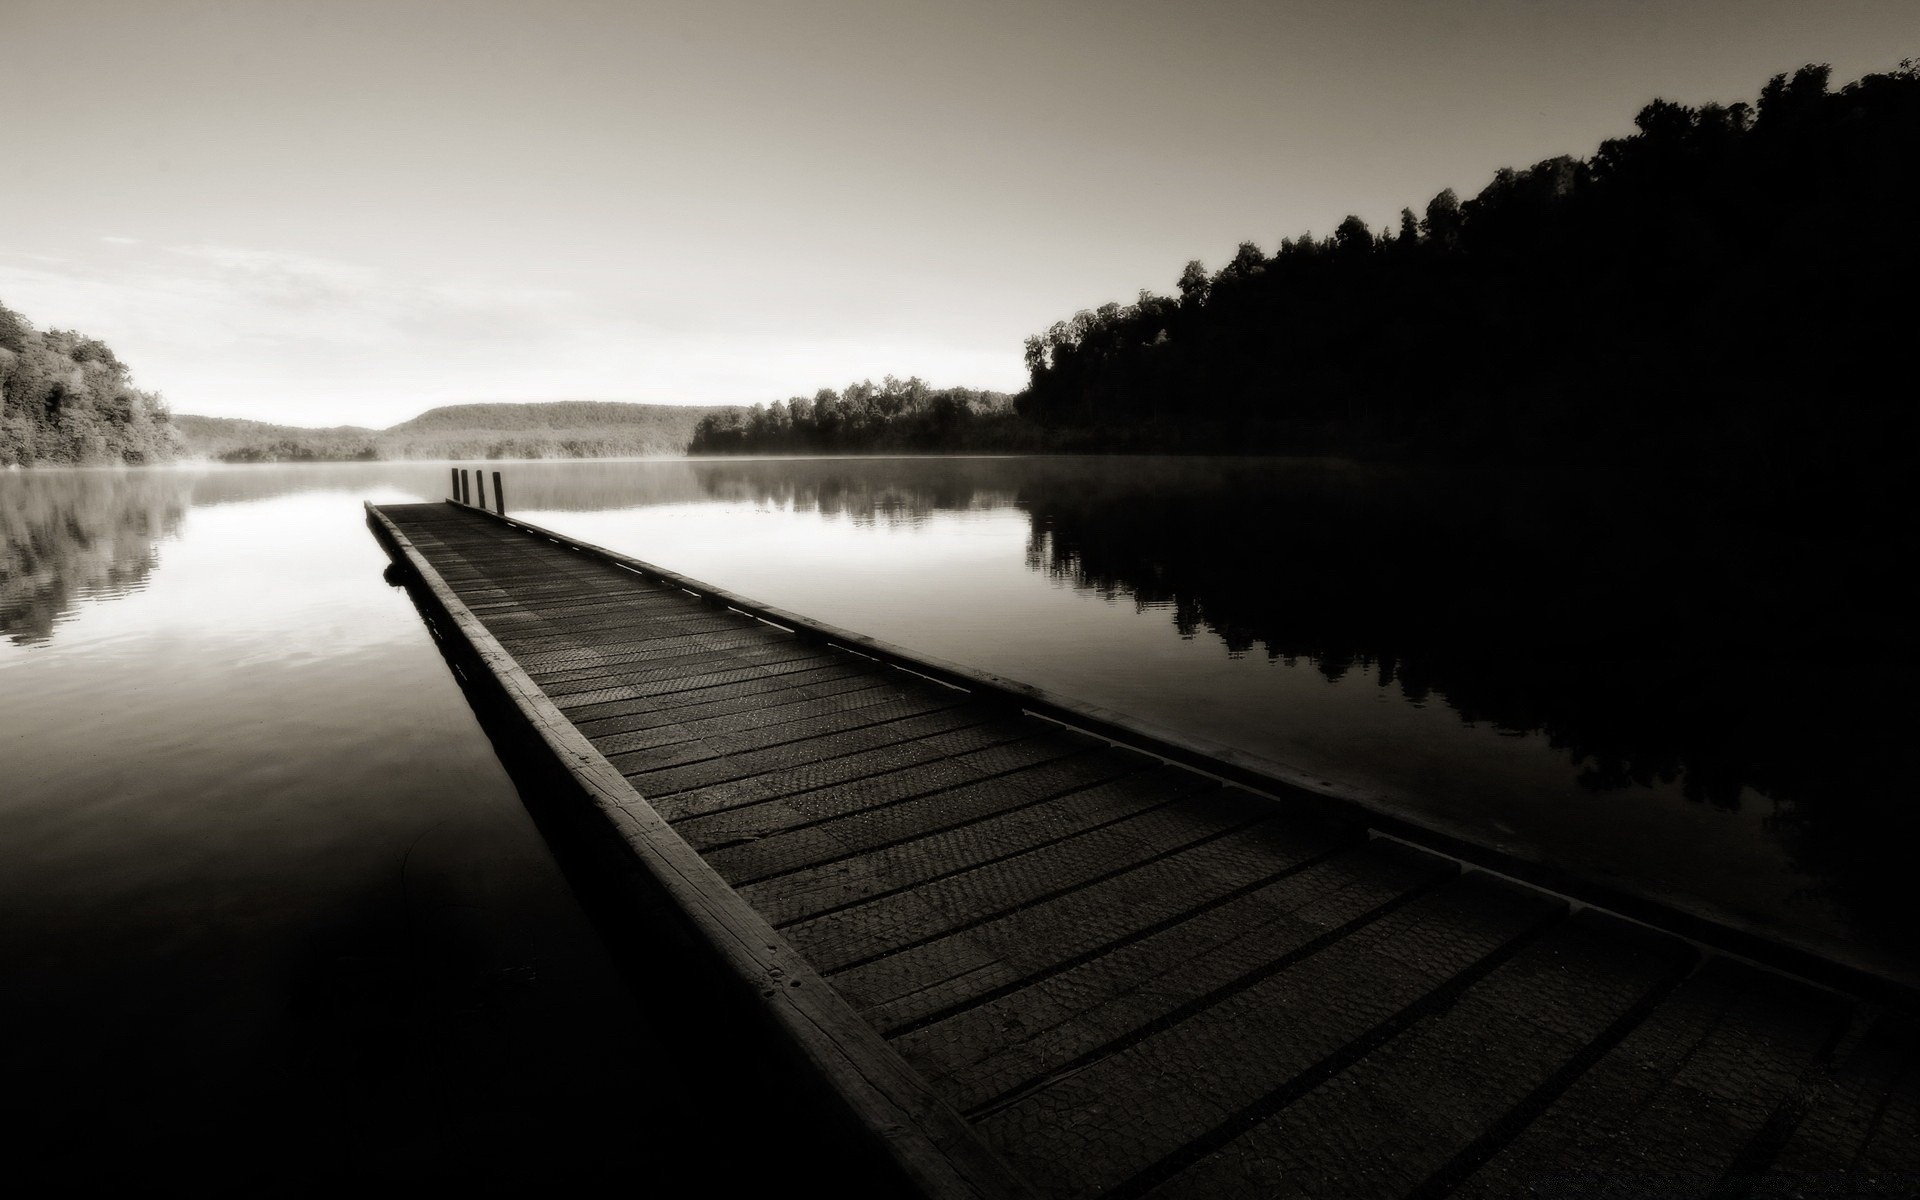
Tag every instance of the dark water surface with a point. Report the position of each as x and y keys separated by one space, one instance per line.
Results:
x=251 y=834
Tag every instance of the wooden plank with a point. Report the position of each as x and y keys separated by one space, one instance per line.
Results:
x=979 y=872
x=744 y=826
x=604 y=623
x=663 y=638
x=819 y=846
x=1090 y=1130
x=985 y=1054
x=627 y=716
x=1036 y=807
x=601 y=640
x=785 y=758
x=925 y=1139
x=1860 y=1135
x=833 y=772
x=1387 y=1125
x=1048 y=937
x=576 y=609
x=722 y=818
x=597 y=663
x=697 y=660
x=1670 y=1109
x=666 y=729
x=589 y=703
x=734 y=746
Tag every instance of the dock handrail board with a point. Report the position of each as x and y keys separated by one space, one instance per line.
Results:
x=929 y=1142
x=1777 y=950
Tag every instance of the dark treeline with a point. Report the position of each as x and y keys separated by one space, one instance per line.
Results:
x=66 y=398
x=898 y=414
x=1732 y=281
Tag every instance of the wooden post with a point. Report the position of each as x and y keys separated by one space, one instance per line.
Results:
x=480 y=486
x=466 y=487
x=499 y=497
x=454 y=473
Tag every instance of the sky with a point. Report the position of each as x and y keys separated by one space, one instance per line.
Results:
x=348 y=212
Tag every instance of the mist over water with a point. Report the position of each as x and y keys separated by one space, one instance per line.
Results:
x=227 y=741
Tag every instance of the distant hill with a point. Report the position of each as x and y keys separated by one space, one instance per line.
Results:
x=556 y=429
x=235 y=440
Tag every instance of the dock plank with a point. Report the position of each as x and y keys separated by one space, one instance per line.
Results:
x=1072 y=836
x=845 y=770
x=862 y=834
x=1394 y=1120
x=784 y=758
x=1670 y=1110
x=1042 y=938
x=741 y=828
x=1084 y=1132
x=1860 y=1135
x=983 y=1054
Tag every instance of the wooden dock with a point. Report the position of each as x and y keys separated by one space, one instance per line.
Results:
x=1032 y=949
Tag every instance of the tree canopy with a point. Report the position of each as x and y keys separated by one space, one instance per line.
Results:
x=898 y=414
x=67 y=398
x=1727 y=279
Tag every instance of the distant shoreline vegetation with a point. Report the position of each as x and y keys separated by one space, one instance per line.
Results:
x=896 y=415
x=554 y=429
x=65 y=398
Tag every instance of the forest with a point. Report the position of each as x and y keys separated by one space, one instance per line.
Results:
x=65 y=398
x=896 y=415
x=1729 y=284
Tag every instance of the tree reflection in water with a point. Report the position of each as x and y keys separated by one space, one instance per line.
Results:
x=1729 y=639
x=73 y=535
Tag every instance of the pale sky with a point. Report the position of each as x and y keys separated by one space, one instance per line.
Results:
x=350 y=212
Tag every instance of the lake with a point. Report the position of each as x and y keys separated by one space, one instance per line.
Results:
x=253 y=842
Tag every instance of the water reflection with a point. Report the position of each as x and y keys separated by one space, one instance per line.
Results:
x=68 y=536
x=1691 y=682
x=546 y=486
x=1742 y=650
x=890 y=491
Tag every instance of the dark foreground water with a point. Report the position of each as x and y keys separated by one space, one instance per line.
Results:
x=255 y=851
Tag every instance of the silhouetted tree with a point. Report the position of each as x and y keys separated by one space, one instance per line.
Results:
x=1723 y=286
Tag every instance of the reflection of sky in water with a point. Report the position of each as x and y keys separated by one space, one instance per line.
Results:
x=266 y=894
x=263 y=704
x=262 y=681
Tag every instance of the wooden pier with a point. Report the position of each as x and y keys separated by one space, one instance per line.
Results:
x=1030 y=948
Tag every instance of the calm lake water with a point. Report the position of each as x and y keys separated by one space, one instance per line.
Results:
x=251 y=836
